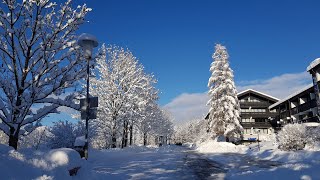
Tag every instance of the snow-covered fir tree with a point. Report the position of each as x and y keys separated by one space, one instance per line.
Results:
x=39 y=60
x=224 y=118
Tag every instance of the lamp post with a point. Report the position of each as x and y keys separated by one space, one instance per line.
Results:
x=87 y=42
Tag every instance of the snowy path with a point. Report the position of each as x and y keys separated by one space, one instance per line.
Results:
x=203 y=168
x=242 y=164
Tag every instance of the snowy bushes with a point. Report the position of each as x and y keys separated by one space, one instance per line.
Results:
x=292 y=137
x=314 y=134
x=64 y=134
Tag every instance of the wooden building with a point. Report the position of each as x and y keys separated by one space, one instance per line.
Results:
x=256 y=118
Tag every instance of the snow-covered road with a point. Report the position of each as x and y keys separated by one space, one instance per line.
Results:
x=175 y=162
x=166 y=162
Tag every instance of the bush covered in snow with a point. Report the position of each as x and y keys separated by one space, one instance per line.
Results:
x=314 y=133
x=64 y=134
x=292 y=137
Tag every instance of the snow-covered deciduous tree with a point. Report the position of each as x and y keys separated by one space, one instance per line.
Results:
x=123 y=89
x=39 y=60
x=65 y=133
x=194 y=132
x=292 y=137
x=224 y=118
x=38 y=138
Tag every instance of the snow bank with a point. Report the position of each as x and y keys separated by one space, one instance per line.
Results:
x=63 y=157
x=269 y=151
x=212 y=146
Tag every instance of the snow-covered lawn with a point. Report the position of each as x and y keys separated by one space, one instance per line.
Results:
x=248 y=162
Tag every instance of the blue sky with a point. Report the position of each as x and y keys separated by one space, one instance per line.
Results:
x=175 y=39
x=266 y=40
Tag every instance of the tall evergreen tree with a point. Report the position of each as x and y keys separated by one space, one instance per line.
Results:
x=224 y=118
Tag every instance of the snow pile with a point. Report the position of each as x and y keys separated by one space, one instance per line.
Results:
x=212 y=146
x=63 y=157
x=31 y=164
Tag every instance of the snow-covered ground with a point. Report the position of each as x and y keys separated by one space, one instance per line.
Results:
x=250 y=162
x=210 y=160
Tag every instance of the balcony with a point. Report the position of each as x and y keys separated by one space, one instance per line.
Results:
x=259 y=114
x=308 y=105
x=303 y=107
x=256 y=124
x=244 y=104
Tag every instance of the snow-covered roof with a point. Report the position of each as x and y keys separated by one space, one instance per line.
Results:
x=258 y=92
x=291 y=96
x=313 y=64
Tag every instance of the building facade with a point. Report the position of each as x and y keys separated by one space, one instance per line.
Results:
x=304 y=105
x=300 y=107
x=256 y=118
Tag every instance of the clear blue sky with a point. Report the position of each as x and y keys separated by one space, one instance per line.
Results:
x=174 y=39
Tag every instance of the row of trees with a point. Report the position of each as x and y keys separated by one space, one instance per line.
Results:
x=127 y=101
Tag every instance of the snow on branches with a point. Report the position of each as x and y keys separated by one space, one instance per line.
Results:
x=224 y=118
x=127 y=98
x=39 y=60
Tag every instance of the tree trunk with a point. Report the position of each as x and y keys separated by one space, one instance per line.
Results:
x=144 y=139
x=126 y=134
x=131 y=133
x=13 y=138
x=123 y=135
x=113 y=136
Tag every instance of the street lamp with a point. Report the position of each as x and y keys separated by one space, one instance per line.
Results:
x=87 y=42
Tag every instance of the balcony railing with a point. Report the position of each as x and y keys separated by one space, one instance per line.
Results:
x=254 y=104
x=259 y=114
x=301 y=108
